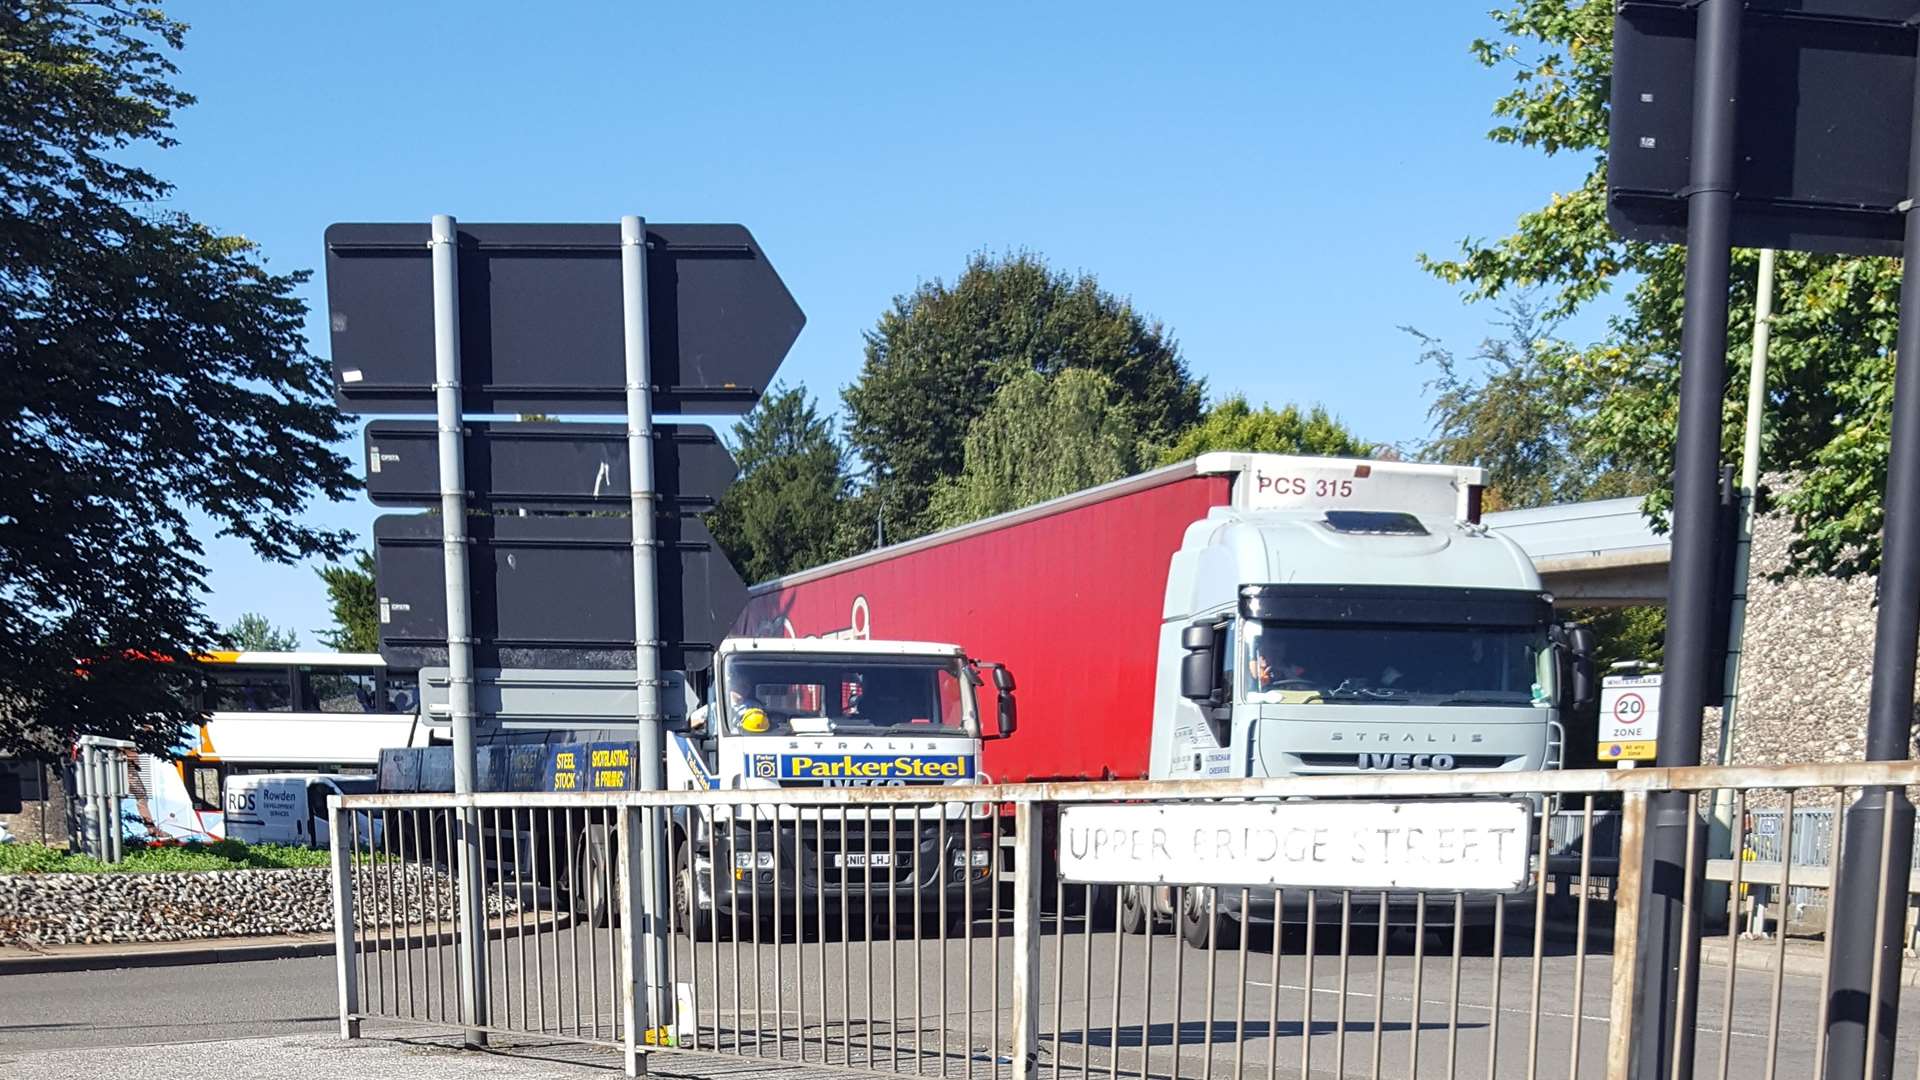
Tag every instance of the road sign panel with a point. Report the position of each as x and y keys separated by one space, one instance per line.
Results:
x=1629 y=717
x=551 y=591
x=545 y=465
x=1825 y=116
x=540 y=318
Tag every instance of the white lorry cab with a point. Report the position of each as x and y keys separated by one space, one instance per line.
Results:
x=291 y=808
x=794 y=713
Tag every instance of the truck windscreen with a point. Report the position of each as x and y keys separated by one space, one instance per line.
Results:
x=820 y=694
x=1286 y=663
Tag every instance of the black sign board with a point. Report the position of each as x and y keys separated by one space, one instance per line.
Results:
x=542 y=465
x=551 y=591
x=1824 y=118
x=541 y=318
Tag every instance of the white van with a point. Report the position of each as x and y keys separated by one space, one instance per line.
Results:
x=291 y=808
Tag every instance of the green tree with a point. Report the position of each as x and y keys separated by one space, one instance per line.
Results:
x=1831 y=370
x=252 y=632
x=355 y=606
x=1507 y=409
x=1040 y=438
x=151 y=368
x=785 y=512
x=1232 y=424
x=938 y=356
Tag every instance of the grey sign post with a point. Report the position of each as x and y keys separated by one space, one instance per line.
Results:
x=1775 y=124
x=533 y=318
x=646 y=601
x=453 y=533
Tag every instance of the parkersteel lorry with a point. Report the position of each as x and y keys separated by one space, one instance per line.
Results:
x=777 y=714
x=1236 y=615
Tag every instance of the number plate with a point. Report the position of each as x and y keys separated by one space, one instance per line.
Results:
x=879 y=859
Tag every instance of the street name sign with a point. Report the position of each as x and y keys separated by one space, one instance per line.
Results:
x=1454 y=845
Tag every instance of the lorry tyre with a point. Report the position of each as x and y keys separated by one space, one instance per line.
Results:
x=1201 y=923
x=591 y=894
x=1136 y=909
x=695 y=923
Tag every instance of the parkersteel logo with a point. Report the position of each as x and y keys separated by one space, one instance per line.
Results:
x=868 y=767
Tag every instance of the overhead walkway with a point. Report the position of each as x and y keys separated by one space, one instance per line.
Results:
x=1597 y=554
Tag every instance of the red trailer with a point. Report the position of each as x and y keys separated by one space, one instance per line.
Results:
x=1067 y=594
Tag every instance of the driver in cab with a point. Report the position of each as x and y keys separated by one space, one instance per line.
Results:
x=1272 y=670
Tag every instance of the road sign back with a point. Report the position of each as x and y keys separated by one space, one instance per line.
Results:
x=540 y=318
x=551 y=592
x=545 y=465
x=1825 y=113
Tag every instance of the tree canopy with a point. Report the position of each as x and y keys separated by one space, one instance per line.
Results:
x=1040 y=438
x=1830 y=373
x=936 y=359
x=254 y=632
x=355 y=605
x=787 y=510
x=151 y=368
x=1232 y=424
x=1506 y=408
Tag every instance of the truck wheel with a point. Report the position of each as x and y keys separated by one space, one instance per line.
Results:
x=1136 y=909
x=697 y=924
x=591 y=895
x=1201 y=922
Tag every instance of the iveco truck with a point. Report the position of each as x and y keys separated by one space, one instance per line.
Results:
x=1236 y=615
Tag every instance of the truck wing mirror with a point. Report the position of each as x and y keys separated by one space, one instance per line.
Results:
x=1577 y=646
x=1002 y=679
x=1198 y=637
x=1196 y=677
x=1584 y=687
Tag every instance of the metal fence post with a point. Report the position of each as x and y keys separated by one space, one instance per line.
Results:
x=1626 y=934
x=630 y=908
x=1027 y=839
x=345 y=974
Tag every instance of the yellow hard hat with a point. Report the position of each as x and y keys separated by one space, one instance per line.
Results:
x=753 y=720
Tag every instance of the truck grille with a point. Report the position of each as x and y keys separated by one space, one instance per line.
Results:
x=1352 y=763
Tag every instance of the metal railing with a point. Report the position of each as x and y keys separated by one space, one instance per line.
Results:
x=928 y=932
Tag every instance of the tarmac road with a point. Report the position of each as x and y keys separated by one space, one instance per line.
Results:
x=1160 y=1008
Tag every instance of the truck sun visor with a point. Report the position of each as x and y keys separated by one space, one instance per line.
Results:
x=1375 y=523
x=1425 y=605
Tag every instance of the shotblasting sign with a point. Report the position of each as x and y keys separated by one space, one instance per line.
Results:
x=1457 y=845
x=861 y=770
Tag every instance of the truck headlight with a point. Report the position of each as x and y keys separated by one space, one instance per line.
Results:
x=747 y=860
x=978 y=858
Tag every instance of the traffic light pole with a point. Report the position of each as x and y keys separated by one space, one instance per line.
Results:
x=1667 y=990
x=1863 y=1004
x=646 y=607
x=453 y=533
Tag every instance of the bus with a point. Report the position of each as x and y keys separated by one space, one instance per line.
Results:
x=271 y=712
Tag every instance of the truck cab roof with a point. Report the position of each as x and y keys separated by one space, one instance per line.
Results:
x=838 y=647
x=1232 y=547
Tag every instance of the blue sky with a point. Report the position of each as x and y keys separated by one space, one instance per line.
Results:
x=1257 y=176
